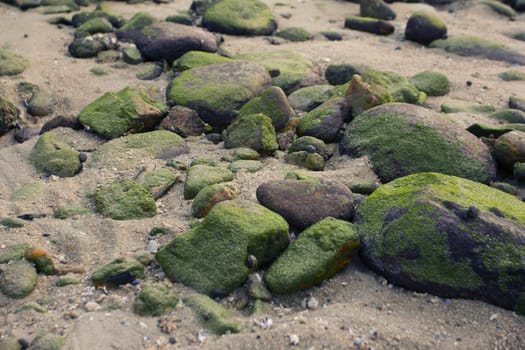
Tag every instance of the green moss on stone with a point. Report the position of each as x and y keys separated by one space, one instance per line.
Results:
x=272 y=103
x=13 y=252
x=48 y=341
x=318 y=253
x=11 y=63
x=139 y=21
x=307 y=98
x=251 y=166
x=155 y=300
x=209 y=196
x=251 y=130
x=200 y=176
x=18 y=279
x=432 y=83
x=500 y=8
x=28 y=191
x=310 y=161
x=512 y=75
x=295 y=34
x=64 y=212
x=93 y=26
x=508 y=115
x=212 y=315
x=52 y=156
x=12 y=223
x=460 y=106
x=106 y=274
x=66 y=281
x=124 y=200
x=192 y=59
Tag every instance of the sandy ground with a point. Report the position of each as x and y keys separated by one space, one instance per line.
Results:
x=356 y=307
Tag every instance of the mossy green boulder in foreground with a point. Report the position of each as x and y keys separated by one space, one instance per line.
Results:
x=402 y=139
x=11 y=63
x=447 y=236
x=212 y=257
x=466 y=45
x=52 y=156
x=124 y=200
x=18 y=279
x=240 y=17
x=155 y=300
x=254 y=131
x=116 y=113
x=118 y=271
x=212 y=315
x=218 y=91
x=318 y=253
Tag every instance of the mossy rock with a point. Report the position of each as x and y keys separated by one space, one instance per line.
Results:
x=12 y=223
x=87 y=47
x=200 y=176
x=212 y=315
x=13 y=252
x=254 y=131
x=508 y=115
x=292 y=67
x=376 y=9
x=128 y=110
x=67 y=211
x=325 y=121
x=446 y=236
x=132 y=27
x=318 y=253
x=93 y=26
x=512 y=75
x=52 y=156
x=307 y=160
x=159 y=181
x=9 y=116
x=373 y=88
x=212 y=256
x=338 y=74
x=42 y=260
x=402 y=139
x=155 y=299
x=240 y=17
x=131 y=55
x=295 y=34
x=10 y=343
x=66 y=281
x=194 y=59
x=108 y=56
x=218 y=91
x=47 y=341
x=517 y=103
x=149 y=145
x=309 y=144
x=466 y=45
x=11 y=63
x=101 y=11
x=124 y=200
x=510 y=148
x=118 y=271
x=501 y=8
x=250 y=166
x=519 y=171
x=272 y=103
x=41 y=104
x=490 y=131
x=424 y=27
x=369 y=25
x=431 y=83
x=461 y=106
x=209 y=196
x=18 y=279
x=505 y=187
x=307 y=98
x=183 y=18
x=244 y=153
x=29 y=191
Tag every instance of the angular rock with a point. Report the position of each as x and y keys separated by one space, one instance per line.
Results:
x=183 y=121
x=307 y=98
x=193 y=59
x=369 y=25
x=155 y=299
x=431 y=83
x=116 y=113
x=466 y=45
x=318 y=253
x=11 y=63
x=446 y=236
x=18 y=279
x=118 y=271
x=9 y=116
x=325 y=121
x=272 y=103
x=90 y=46
x=218 y=91
x=212 y=315
x=424 y=27
x=254 y=131
x=212 y=257
x=159 y=182
x=52 y=156
x=305 y=202
x=376 y=9
x=124 y=200
x=295 y=34
x=200 y=176
x=132 y=55
x=240 y=17
x=510 y=148
x=402 y=139
x=209 y=196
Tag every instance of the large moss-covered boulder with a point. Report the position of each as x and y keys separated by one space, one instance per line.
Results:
x=9 y=116
x=273 y=103
x=155 y=300
x=240 y=17
x=11 y=63
x=304 y=202
x=372 y=88
x=118 y=271
x=52 y=156
x=254 y=131
x=212 y=315
x=218 y=91
x=324 y=121
x=212 y=257
x=289 y=67
x=402 y=139
x=116 y=113
x=447 y=236
x=318 y=253
x=424 y=27
x=201 y=175
x=466 y=45
x=194 y=59
x=124 y=200
x=17 y=279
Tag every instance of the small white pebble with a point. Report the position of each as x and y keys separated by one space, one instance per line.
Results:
x=493 y=317
x=294 y=339
x=91 y=306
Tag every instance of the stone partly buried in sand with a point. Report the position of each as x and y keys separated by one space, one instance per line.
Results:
x=118 y=271
x=369 y=25
x=116 y=113
x=402 y=139
x=318 y=253
x=213 y=256
x=304 y=202
x=446 y=236
x=52 y=156
x=212 y=315
x=18 y=279
x=124 y=200
x=155 y=300
x=200 y=176
x=218 y=91
x=11 y=63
